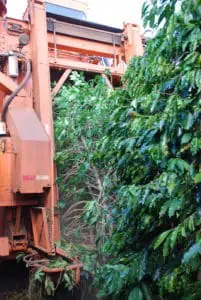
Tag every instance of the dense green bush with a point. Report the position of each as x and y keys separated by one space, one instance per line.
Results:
x=81 y=113
x=148 y=152
x=155 y=243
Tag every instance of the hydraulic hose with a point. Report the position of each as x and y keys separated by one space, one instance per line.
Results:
x=15 y=93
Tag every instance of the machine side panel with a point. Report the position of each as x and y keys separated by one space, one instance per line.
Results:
x=32 y=164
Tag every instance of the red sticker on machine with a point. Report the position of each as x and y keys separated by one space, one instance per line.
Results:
x=29 y=177
x=36 y=177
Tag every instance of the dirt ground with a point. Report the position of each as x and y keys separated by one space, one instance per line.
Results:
x=14 y=282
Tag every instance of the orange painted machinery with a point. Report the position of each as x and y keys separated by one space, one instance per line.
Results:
x=45 y=46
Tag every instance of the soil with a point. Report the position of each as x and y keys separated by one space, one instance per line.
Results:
x=14 y=282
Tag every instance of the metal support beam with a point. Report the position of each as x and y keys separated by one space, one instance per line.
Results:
x=61 y=81
x=18 y=219
x=63 y=63
x=84 y=46
x=133 y=43
x=43 y=104
x=7 y=85
x=109 y=84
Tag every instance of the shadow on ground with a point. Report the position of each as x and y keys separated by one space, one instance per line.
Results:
x=14 y=281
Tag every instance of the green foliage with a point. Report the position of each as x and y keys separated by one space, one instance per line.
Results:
x=156 y=161
x=80 y=113
x=136 y=294
x=48 y=285
x=19 y=257
x=146 y=169
x=39 y=275
x=192 y=252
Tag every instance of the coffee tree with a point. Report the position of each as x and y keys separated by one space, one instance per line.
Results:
x=146 y=148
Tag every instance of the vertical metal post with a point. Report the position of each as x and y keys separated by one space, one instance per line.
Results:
x=132 y=41
x=18 y=219
x=43 y=99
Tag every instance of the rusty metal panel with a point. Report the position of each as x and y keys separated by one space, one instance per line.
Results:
x=31 y=169
x=39 y=221
x=27 y=125
x=7 y=157
x=83 y=46
x=4 y=246
x=84 y=32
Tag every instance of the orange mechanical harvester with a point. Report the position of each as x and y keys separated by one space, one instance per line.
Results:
x=45 y=46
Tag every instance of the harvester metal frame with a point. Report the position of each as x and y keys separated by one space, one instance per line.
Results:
x=28 y=194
